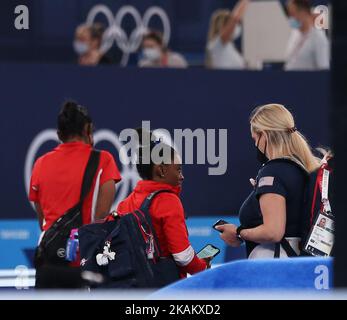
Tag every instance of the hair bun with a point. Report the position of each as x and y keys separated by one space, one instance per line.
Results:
x=72 y=120
x=70 y=110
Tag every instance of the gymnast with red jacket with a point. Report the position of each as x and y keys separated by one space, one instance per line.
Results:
x=166 y=210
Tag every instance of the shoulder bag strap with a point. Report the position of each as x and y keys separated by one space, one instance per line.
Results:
x=89 y=174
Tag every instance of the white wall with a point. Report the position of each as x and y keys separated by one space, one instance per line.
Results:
x=266 y=32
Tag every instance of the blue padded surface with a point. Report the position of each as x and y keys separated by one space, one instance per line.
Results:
x=298 y=273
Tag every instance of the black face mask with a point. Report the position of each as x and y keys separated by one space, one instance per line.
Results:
x=262 y=158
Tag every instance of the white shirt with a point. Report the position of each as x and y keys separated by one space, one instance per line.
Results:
x=224 y=56
x=174 y=60
x=308 y=51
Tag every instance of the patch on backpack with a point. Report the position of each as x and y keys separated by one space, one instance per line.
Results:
x=266 y=181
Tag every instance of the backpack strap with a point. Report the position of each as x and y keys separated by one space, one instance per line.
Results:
x=146 y=218
x=277 y=250
x=286 y=247
x=148 y=201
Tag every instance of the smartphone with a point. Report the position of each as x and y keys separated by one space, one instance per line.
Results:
x=209 y=251
x=218 y=223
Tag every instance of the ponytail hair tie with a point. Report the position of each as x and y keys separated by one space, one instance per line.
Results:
x=292 y=130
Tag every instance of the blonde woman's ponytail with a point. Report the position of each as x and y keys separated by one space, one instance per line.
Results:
x=283 y=137
x=301 y=149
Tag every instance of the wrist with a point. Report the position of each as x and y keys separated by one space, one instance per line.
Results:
x=238 y=233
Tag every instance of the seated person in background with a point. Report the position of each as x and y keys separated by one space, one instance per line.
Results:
x=308 y=47
x=155 y=54
x=87 y=44
x=224 y=28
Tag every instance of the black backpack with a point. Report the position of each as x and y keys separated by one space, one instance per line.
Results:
x=126 y=252
x=312 y=207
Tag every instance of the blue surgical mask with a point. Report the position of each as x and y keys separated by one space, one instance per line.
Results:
x=295 y=23
x=80 y=47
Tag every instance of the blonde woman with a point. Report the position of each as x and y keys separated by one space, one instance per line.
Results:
x=224 y=28
x=271 y=216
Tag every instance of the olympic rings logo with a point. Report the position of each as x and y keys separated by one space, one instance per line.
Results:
x=115 y=33
x=128 y=172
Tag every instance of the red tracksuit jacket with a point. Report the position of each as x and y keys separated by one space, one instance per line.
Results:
x=168 y=220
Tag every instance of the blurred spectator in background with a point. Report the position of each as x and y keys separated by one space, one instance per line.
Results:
x=224 y=28
x=156 y=54
x=87 y=45
x=308 y=47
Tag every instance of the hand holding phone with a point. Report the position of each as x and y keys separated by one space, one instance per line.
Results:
x=208 y=252
x=219 y=223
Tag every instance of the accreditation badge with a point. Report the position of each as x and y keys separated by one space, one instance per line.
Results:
x=321 y=239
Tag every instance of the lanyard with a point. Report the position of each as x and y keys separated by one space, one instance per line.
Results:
x=322 y=183
x=324 y=186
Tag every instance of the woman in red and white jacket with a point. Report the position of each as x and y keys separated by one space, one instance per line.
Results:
x=166 y=210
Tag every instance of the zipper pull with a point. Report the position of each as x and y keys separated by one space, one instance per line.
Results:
x=150 y=251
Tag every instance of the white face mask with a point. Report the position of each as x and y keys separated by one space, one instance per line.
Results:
x=80 y=47
x=151 y=54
